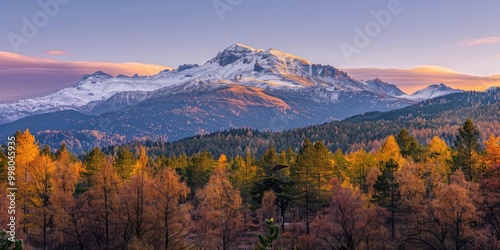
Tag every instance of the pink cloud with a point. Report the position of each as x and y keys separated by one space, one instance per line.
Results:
x=56 y=52
x=25 y=77
x=480 y=41
x=411 y=80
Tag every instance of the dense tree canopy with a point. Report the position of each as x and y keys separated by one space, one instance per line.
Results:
x=401 y=195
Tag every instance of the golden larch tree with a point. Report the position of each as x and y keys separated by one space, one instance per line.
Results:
x=220 y=210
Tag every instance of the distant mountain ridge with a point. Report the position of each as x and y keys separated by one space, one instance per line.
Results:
x=441 y=116
x=240 y=87
x=434 y=90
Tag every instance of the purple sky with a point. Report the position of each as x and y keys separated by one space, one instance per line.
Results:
x=461 y=35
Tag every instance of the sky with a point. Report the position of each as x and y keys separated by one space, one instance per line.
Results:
x=460 y=36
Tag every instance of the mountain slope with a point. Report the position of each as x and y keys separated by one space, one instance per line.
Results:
x=240 y=87
x=237 y=64
x=440 y=116
x=432 y=91
x=380 y=86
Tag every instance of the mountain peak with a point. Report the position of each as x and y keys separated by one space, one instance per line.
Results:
x=237 y=51
x=433 y=90
x=102 y=74
x=232 y=54
x=240 y=46
x=440 y=86
x=97 y=75
x=282 y=55
x=378 y=85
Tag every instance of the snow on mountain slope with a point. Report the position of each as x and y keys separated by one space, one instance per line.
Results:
x=91 y=88
x=380 y=86
x=431 y=91
x=238 y=64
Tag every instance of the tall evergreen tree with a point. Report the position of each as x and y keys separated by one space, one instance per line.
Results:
x=387 y=190
x=199 y=169
x=311 y=175
x=409 y=146
x=125 y=163
x=467 y=147
x=268 y=160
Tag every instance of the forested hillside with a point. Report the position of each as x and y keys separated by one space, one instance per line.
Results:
x=402 y=195
x=436 y=117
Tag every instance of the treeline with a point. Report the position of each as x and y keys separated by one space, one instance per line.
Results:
x=440 y=117
x=405 y=195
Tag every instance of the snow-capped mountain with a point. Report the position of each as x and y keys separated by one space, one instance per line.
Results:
x=240 y=87
x=380 y=86
x=431 y=91
x=238 y=64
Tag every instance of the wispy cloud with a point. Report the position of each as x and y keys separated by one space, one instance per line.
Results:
x=480 y=41
x=411 y=80
x=23 y=76
x=57 y=53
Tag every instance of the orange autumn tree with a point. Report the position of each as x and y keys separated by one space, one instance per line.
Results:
x=220 y=210
x=350 y=221
x=492 y=154
x=456 y=212
x=40 y=187
x=26 y=151
x=100 y=207
x=437 y=160
x=390 y=150
x=66 y=176
x=490 y=189
x=360 y=163
x=171 y=216
x=133 y=200
x=269 y=209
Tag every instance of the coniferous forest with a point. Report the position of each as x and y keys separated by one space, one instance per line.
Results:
x=403 y=194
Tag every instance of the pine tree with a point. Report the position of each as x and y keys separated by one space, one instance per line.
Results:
x=467 y=148
x=280 y=184
x=311 y=175
x=268 y=160
x=387 y=190
x=125 y=163
x=93 y=163
x=199 y=169
x=243 y=174
x=409 y=145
